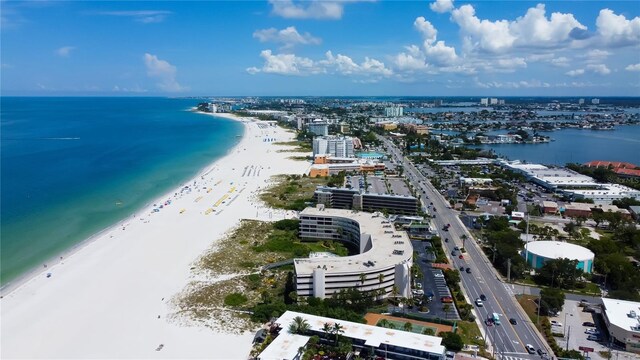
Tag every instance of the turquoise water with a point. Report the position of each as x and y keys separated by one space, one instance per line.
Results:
x=369 y=155
x=579 y=146
x=74 y=166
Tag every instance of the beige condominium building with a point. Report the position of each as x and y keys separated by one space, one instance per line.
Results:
x=383 y=261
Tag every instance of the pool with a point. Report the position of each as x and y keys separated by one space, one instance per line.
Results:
x=370 y=155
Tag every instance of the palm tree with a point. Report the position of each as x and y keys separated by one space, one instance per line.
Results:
x=327 y=329
x=391 y=325
x=394 y=291
x=337 y=329
x=464 y=238
x=383 y=323
x=299 y=325
x=363 y=278
x=380 y=278
x=429 y=331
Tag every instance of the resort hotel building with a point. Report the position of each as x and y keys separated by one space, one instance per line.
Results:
x=383 y=342
x=382 y=263
x=338 y=146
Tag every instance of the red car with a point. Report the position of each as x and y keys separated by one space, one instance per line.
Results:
x=461 y=257
x=446 y=299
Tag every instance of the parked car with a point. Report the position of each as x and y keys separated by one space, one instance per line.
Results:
x=588 y=323
x=456 y=248
x=513 y=321
x=593 y=337
x=438 y=275
x=592 y=332
x=460 y=256
x=446 y=299
x=555 y=323
x=530 y=349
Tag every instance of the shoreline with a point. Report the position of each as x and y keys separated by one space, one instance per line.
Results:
x=122 y=282
x=22 y=279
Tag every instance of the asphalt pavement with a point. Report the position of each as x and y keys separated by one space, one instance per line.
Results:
x=508 y=340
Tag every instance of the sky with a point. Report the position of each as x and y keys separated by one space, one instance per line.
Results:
x=323 y=48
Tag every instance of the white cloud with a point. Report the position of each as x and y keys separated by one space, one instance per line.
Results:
x=411 y=60
x=426 y=29
x=616 y=30
x=163 y=71
x=134 y=89
x=493 y=36
x=441 y=6
x=284 y=64
x=64 y=51
x=314 y=9
x=533 y=30
x=290 y=64
x=511 y=63
x=288 y=37
x=435 y=52
x=633 y=67
x=441 y=54
x=561 y=61
x=601 y=69
x=576 y=72
x=143 y=16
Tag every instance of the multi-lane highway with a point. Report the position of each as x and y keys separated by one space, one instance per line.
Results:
x=508 y=340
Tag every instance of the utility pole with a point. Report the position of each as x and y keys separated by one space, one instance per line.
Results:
x=509 y=270
x=568 y=335
x=494 y=254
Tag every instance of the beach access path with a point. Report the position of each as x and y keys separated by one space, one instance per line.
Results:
x=111 y=297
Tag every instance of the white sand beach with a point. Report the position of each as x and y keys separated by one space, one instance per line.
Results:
x=111 y=297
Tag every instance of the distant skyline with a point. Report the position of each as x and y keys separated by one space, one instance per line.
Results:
x=323 y=48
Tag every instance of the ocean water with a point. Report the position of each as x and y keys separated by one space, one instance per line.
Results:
x=71 y=167
x=577 y=146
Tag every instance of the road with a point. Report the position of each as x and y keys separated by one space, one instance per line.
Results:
x=508 y=340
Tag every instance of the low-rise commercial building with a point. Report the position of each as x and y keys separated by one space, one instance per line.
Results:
x=549 y=207
x=622 y=319
x=383 y=342
x=382 y=263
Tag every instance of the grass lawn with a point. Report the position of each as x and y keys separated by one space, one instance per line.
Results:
x=291 y=191
x=469 y=333
x=300 y=146
x=530 y=307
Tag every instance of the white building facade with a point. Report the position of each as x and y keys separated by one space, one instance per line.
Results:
x=334 y=146
x=381 y=267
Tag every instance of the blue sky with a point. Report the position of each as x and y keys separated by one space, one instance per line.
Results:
x=217 y=48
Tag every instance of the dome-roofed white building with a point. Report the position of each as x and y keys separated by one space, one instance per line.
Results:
x=537 y=252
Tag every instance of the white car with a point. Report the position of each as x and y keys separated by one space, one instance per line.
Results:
x=438 y=275
x=555 y=323
x=479 y=303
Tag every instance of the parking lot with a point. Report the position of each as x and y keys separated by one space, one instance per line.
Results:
x=572 y=317
x=433 y=281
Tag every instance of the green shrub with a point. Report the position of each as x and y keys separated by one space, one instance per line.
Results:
x=235 y=299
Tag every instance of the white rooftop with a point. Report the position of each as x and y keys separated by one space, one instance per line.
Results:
x=558 y=249
x=285 y=346
x=382 y=244
x=610 y=189
x=618 y=313
x=373 y=335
